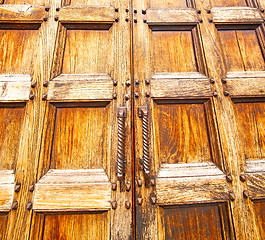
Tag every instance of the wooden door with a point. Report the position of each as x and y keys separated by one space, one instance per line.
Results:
x=199 y=76
x=65 y=120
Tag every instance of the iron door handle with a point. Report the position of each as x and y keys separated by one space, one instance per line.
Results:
x=143 y=113
x=120 y=164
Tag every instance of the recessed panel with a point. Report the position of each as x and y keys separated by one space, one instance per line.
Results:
x=251 y=128
x=241 y=50
x=230 y=3
x=169 y=3
x=182 y=133
x=76 y=226
x=33 y=2
x=80 y=137
x=259 y=207
x=11 y=120
x=88 y=2
x=173 y=51
x=195 y=222
x=3 y=224
x=86 y=51
x=17 y=51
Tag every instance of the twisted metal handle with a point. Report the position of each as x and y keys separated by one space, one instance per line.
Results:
x=143 y=113
x=121 y=143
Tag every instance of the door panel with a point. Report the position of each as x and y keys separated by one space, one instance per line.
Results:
x=194 y=109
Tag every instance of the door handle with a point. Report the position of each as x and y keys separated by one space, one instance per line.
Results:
x=143 y=113
x=120 y=164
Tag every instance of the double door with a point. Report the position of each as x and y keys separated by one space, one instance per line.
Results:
x=139 y=119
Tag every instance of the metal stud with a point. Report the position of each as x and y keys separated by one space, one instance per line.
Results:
x=232 y=196
x=136 y=81
x=212 y=80
x=17 y=187
x=116 y=9
x=114 y=204
x=29 y=205
x=15 y=205
x=245 y=194
x=147 y=94
x=33 y=84
x=45 y=19
x=47 y=9
x=139 y=200
x=135 y=20
x=57 y=9
x=153 y=200
x=114 y=186
x=114 y=96
x=208 y=11
x=199 y=11
x=145 y=21
x=226 y=93
x=229 y=178
x=127 y=19
x=127 y=97
x=200 y=20
x=128 y=83
x=45 y=84
x=215 y=94
x=210 y=20
x=127 y=204
x=242 y=177
x=147 y=81
x=31 y=187
x=117 y=20
x=223 y=80
x=56 y=18
x=127 y=10
x=136 y=94
x=44 y=96
x=128 y=186
x=135 y=11
x=115 y=82
x=153 y=182
x=262 y=10
x=139 y=182
x=144 y=12
x=31 y=96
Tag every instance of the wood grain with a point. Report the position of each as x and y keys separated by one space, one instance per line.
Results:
x=182 y=85
x=21 y=13
x=171 y=16
x=85 y=14
x=72 y=190
x=6 y=188
x=226 y=15
x=76 y=87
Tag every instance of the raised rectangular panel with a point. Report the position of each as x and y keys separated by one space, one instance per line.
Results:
x=173 y=51
x=80 y=138
x=29 y=2
x=205 y=221
x=181 y=132
x=94 y=56
x=87 y=2
x=7 y=183
x=88 y=225
x=168 y=3
x=250 y=118
x=239 y=47
x=11 y=120
x=17 y=58
x=259 y=207
x=230 y=3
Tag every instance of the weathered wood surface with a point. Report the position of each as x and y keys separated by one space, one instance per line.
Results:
x=81 y=87
x=83 y=14
x=73 y=190
x=7 y=183
x=238 y=15
x=14 y=88
x=181 y=85
x=21 y=13
x=171 y=16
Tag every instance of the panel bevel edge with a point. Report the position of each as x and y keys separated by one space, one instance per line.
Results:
x=7 y=184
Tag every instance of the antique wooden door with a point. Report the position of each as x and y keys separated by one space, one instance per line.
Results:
x=199 y=75
x=132 y=119
x=65 y=110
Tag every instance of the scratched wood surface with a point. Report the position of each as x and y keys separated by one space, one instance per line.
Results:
x=214 y=53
